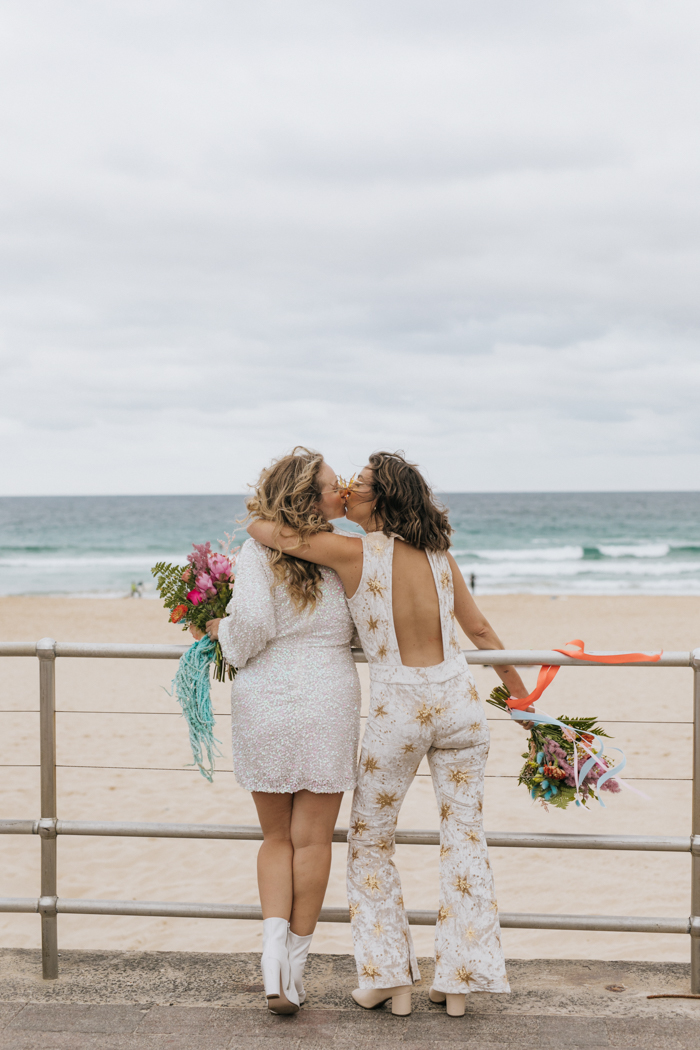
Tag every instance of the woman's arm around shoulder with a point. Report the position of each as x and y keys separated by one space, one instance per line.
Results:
x=341 y=552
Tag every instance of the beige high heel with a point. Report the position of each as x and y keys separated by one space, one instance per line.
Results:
x=456 y=1001
x=371 y=997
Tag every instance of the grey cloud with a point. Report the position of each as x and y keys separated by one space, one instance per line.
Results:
x=429 y=225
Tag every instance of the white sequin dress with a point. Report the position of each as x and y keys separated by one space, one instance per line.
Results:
x=295 y=702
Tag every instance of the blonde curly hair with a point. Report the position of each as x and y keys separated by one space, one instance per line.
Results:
x=287 y=492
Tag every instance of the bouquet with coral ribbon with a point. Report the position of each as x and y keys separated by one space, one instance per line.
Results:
x=197 y=593
x=557 y=768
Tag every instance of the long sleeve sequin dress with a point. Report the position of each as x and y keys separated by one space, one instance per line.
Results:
x=295 y=702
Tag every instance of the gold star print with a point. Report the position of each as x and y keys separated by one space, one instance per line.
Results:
x=445 y=811
x=438 y=957
x=384 y=799
x=472 y=836
x=439 y=710
x=384 y=846
x=372 y=882
x=378 y=548
x=408 y=749
x=480 y=806
x=470 y=934
x=354 y=908
x=400 y=902
x=452 y=614
x=494 y=906
x=460 y=776
x=473 y=693
x=370 y=970
x=382 y=652
x=424 y=716
x=475 y=727
x=359 y=826
x=444 y=913
x=378 y=929
x=463 y=885
x=373 y=623
x=380 y=711
x=464 y=975
x=354 y=854
x=444 y=850
x=370 y=765
x=445 y=578
x=375 y=587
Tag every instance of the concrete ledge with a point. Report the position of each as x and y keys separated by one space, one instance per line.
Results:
x=197 y=1001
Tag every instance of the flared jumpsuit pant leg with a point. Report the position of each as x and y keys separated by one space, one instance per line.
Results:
x=415 y=716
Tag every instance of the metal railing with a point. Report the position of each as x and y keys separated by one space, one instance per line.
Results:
x=49 y=905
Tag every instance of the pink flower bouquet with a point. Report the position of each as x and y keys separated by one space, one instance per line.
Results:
x=197 y=593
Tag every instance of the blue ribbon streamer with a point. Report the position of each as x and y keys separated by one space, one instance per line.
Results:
x=598 y=745
x=191 y=690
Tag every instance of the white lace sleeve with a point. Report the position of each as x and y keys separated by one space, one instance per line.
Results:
x=250 y=623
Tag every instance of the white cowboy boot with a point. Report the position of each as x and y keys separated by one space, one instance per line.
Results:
x=281 y=994
x=298 y=949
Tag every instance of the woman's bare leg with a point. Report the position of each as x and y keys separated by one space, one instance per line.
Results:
x=275 y=878
x=313 y=821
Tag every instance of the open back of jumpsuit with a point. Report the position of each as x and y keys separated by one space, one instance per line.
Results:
x=418 y=711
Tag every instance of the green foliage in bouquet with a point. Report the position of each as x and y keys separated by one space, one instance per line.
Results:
x=197 y=593
x=548 y=772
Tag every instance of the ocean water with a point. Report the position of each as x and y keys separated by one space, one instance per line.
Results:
x=537 y=543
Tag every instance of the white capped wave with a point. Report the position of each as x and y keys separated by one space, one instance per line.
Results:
x=115 y=561
x=523 y=570
x=531 y=554
x=636 y=550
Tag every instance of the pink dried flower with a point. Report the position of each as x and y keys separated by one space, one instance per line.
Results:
x=186 y=573
x=200 y=557
x=195 y=597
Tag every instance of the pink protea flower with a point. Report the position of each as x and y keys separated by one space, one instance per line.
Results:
x=195 y=597
x=219 y=567
x=205 y=584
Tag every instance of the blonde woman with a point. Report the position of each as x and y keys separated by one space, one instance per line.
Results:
x=295 y=707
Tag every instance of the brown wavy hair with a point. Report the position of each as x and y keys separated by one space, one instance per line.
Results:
x=287 y=493
x=405 y=503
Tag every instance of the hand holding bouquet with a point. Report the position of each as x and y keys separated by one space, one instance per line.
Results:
x=195 y=594
x=557 y=770
x=198 y=593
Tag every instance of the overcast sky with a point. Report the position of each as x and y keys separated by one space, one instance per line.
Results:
x=465 y=228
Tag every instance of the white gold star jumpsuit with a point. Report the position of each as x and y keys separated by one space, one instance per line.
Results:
x=417 y=711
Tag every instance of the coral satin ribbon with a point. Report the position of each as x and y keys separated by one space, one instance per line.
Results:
x=548 y=672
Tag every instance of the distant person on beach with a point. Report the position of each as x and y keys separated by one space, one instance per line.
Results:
x=295 y=708
x=405 y=592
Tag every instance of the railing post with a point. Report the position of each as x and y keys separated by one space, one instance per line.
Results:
x=695 y=841
x=46 y=652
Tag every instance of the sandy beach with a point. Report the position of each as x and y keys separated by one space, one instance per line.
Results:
x=117 y=713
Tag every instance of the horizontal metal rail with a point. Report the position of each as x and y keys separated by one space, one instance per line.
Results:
x=488 y=657
x=49 y=827
x=174 y=909
x=251 y=832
